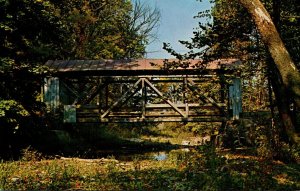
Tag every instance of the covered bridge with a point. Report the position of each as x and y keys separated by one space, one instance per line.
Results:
x=143 y=90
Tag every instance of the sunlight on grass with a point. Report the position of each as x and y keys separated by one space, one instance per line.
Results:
x=202 y=169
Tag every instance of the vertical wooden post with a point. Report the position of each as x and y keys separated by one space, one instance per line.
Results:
x=51 y=94
x=143 y=98
x=235 y=98
x=106 y=95
x=222 y=85
x=184 y=96
x=98 y=94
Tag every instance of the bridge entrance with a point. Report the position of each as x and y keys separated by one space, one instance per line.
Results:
x=143 y=90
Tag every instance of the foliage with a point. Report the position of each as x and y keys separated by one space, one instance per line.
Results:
x=203 y=169
x=289 y=27
x=7 y=106
x=33 y=31
x=231 y=33
x=110 y=29
x=11 y=114
x=228 y=33
x=29 y=154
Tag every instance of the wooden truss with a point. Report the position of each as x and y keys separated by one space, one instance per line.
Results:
x=148 y=98
x=194 y=105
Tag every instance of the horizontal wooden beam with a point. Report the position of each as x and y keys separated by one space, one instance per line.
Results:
x=182 y=105
x=115 y=73
x=156 y=120
x=166 y=100
x=174 y=114
x=160 y=80
x=129 y=92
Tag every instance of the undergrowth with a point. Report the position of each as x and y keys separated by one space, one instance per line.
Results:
x=203 y=168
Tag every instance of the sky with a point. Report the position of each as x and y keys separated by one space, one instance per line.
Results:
x=176 y=23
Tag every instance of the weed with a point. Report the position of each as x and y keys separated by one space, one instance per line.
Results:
x=200 y=169
x=29 y=154
x=6 y=170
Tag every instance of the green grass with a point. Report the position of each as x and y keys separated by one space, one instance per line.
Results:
x=202 y=169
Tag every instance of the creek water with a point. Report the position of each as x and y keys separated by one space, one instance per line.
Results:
x=149 y=155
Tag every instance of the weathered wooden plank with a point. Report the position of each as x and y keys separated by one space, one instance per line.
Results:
x=63 y=65
x=160 y=79
x=116 y=113
x=181 y=105
x=56 y=65
x=51 y=95
x=166 y=100
x=147 y=114
x=87 y=115
x=192 y=87
x=88 y=120
x=123 y=98
x=48 y=64
x=86 y=65
x=109 y=65
x=69 y=67
x=235 y=98
x=159 y=64
x=77 y=65
x=174 y=114
x=144 y=101
x=88 y=111
x=156 y=120
x=69 y=114
x=88 y=106
x=95 y=64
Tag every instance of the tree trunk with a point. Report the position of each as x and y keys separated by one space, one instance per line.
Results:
x=286 y=67
x=290 y=76
x=282 y=103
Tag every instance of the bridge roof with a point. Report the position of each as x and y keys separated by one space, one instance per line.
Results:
x=138 y=67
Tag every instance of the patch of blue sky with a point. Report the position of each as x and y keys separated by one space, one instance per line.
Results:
x=176 y=23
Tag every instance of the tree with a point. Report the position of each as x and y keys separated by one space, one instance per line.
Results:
x=288 y=70
x=109 y=29
x=33 y=31
x=30 y=32
x=289 y=74
x=233 y=34
x=139 y=30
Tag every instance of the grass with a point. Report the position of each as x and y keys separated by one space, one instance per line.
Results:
x=201 y=169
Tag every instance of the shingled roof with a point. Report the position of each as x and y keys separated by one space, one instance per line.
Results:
x=132 y=67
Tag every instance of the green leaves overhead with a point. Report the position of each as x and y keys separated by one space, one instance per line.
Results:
x=36 y=30
x=30 y=32
x=110 y=29
x=33 y=31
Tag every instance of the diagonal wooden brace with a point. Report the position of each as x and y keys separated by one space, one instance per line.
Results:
x=166 y=100
x=192 y=87
x=124 y=97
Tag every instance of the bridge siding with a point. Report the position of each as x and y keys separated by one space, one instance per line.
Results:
x=52 y=87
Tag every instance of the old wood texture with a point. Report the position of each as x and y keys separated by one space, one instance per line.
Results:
x=51 y=93
x=235 y=98
x=69 y=114
x=145 y=111
x=137 y=67
x=140 y=90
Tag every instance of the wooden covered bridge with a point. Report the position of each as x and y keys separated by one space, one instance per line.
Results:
x=144 y=90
